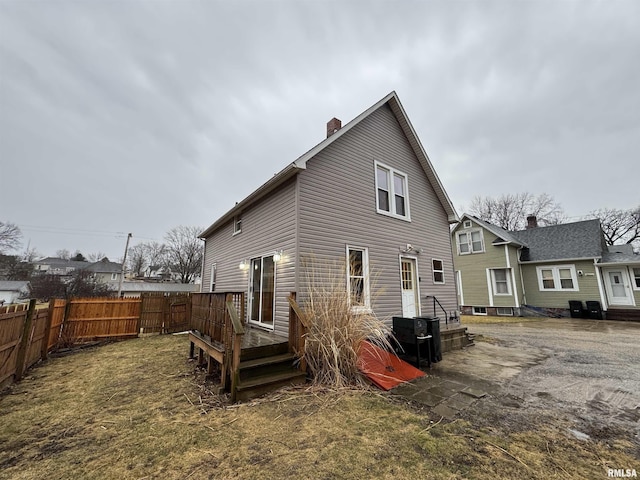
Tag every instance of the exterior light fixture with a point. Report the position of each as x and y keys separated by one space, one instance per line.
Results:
x=243 y=265
x=277 y=256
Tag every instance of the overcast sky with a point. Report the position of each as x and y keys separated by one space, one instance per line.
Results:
x=139 y=116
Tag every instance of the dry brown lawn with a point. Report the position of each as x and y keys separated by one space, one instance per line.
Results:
x=136 y=409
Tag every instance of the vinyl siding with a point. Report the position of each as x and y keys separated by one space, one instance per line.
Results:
x=337 y=203
x=587 y=285
x=473 y=269
x=266 y=227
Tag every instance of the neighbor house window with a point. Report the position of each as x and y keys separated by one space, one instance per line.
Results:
x=479 y=310
x=636 y=278
x=358 y=278
x=114 y=276
x=501 y=281
x=467 y=224
x=505 y=311
x=392 y=192
x=557 y=278
x=237 y=224
x=470 y=242
x=214 y=270
x=438 y=271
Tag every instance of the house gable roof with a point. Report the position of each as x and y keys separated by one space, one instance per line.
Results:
x=503 y=236
x=563 y=241
x=104 y=266
x=301 y=163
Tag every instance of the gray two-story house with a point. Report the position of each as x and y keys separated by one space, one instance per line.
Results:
x=366 y=199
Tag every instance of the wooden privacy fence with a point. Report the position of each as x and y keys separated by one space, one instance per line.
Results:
x=28 y=334
x=165 y=313
x=25 y=338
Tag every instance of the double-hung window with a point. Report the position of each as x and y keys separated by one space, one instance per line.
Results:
x=237 y=224
x=470 y=242
x=636 y=278
x=501 y=284
x=557 y=278
x=438 y=270
x=392 y=192
x=358 y=278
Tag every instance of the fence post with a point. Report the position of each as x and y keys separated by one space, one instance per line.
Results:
x=24 y=340
x=47 y=331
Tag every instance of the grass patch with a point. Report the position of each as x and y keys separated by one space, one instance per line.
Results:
x=136 y=409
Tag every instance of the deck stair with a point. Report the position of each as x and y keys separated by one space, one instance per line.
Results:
x=267 y=368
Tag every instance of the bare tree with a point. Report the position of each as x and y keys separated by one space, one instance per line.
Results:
x=137 y=259
x=184 y=252
x=10 y=236
x=63 y=254
x=156 y=252
x=510 y=211
x=96 y=256
x=619 y=226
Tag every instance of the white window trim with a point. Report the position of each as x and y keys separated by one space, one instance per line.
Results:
x=495 y=284
x=470 y=242
x=212 y=280
x=504 y=314
x=433 y=271
x=237 y=219
x=556 y=278
x=366 y=308
x=632 y=276
x=466 y=224
x=114 y=276
x=473 y=311
x=392 y=199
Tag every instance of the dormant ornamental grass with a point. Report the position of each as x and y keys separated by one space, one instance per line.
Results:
x=337 y=323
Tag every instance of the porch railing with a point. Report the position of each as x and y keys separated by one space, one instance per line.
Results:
x=298 y=327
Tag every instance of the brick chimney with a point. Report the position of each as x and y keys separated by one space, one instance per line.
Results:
x=333 y=126
x=532 y=222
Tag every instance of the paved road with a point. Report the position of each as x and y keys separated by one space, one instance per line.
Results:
x=586 y=372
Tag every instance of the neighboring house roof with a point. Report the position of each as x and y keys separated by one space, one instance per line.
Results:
x=104 y=266
x=56 y=262
x=301 y=163
x=503 y=235
x=158 y=287
x=13 y=285
x=560 y=242
x=620 y=254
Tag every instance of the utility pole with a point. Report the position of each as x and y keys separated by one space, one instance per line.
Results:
x=124 y=262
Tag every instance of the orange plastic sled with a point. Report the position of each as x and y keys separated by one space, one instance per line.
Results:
x=383 y=368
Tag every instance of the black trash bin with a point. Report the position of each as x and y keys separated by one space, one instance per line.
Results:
x=575 y=307
x=595 y=309
x=433 y=329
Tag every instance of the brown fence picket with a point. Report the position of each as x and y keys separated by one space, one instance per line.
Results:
x=90 y=319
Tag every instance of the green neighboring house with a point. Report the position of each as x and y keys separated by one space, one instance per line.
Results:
x=500 y=272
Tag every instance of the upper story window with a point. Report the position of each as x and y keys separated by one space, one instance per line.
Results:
x=392 y=189
x=114 y=276
x=358 y=278
x=470 y=242
x=237 y=224
x=557 y=278
x=467 y=224
x=438 y=270
x=636 y=278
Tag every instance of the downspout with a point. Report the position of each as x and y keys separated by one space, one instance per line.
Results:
x=603 y=297
x=524 y=294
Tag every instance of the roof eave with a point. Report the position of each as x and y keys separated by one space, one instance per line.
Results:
x=266 y=188
x=577 y=259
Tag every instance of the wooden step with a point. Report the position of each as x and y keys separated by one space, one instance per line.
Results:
x=264 y=351
x=262 y=366
x=260 y=385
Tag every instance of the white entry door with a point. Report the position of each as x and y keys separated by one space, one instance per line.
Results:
x=410 y=307
x=618 y=287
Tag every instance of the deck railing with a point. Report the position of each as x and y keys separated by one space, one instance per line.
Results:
x=298 y=327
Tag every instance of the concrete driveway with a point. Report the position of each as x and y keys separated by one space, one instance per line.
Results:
x=583 y=373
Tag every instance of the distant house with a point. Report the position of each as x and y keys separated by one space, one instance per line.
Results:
x=501 y=272
x=57 y=266
x=366 y=199
x=12 y=290
x=105 y=271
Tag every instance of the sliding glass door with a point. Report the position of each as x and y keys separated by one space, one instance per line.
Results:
x=262 y=291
